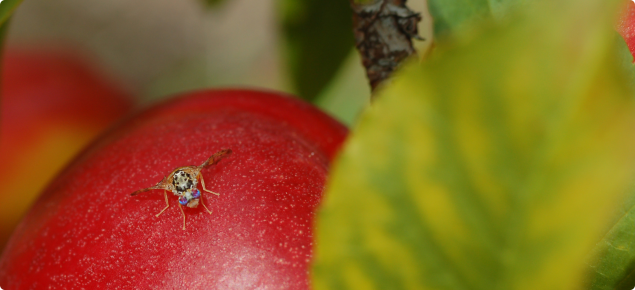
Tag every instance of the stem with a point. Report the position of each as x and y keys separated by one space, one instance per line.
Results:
x=383 y=35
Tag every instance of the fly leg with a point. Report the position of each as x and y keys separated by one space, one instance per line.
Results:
x=181 y=208
x=203 y=183
x=166 y=203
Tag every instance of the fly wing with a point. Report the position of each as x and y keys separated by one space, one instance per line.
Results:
x=161 y=185
x=215 y=158
x=141 y=191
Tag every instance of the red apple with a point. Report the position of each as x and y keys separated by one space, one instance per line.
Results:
x=86 y=231
x=626 y=25
x=52 y=104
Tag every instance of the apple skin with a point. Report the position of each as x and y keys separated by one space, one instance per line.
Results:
x=86 y=231
x=53 y=103
x=626 y=24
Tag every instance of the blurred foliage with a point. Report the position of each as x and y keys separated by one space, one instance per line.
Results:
x=7 y=7
x=494 y=165
x=348 y=93
x=4 y=28
x=613 y=264
x=450 y=15
x=613 y=259
x=363 y=2
x=626 y=59
x=318 y=36
x=213 y=3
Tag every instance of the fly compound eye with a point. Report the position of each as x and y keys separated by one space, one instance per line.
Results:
x=183 y=200
x=196 y=193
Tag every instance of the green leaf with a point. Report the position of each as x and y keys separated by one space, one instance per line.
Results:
x=613 y=263
x=7 y=7
x=451 y=15
x=448 y=15
x=318 y=36
x=494 y=165
x=4 y=28
x=349 y=93
x=626 y=59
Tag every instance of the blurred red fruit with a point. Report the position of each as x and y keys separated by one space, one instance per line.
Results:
x=86 y=231
x=52 y=105
x=626 y=25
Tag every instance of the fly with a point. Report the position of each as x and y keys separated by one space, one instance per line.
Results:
x=183 y=181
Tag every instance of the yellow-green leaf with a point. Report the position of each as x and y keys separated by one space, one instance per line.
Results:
x=492 y=166
x=612 y=262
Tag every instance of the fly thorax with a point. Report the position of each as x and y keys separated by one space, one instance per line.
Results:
x=183 y=182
